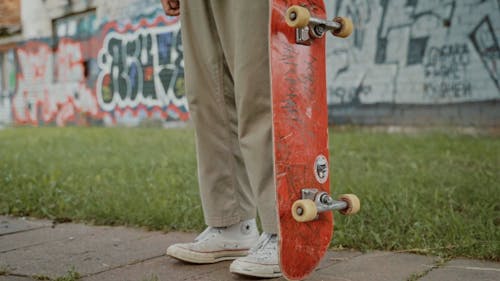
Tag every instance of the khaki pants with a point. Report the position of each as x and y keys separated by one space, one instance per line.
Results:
x=226 y=60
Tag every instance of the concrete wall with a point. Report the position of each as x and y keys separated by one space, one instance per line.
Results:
x=416 y=62
x=111 y=62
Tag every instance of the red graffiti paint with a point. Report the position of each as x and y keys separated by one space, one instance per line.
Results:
x=40 y=100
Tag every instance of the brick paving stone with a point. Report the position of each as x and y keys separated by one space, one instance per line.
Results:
x=15 y=278
x=102 y=253
x=166 y=268
x=46 y=234
x=465 y=270
x=92 y=250
x=376 y=266
x=10 y=225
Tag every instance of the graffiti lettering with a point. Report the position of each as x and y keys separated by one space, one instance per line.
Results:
x=443 y=90
x=486 y=44
x=421 y=55
x=144 y=67
x=449 y=61
x=38 y=99
x=445 y=69
x=351 y=95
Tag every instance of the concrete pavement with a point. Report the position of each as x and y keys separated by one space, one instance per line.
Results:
x=39 y=250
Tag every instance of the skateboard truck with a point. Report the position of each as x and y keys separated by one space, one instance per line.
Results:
x=309 y=28
x=314 y=202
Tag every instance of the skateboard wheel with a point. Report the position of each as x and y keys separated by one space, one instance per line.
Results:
x=304 y=210
x=297 y=16
x=353 y=204
x=346 y=27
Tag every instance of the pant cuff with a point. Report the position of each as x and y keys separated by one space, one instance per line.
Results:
x=222 y=221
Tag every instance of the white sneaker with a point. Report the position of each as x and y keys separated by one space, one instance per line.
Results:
x=218 y=243
x=262 y=260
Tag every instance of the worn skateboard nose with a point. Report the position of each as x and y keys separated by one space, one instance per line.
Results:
x=300 y=133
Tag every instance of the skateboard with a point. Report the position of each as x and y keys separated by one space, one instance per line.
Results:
x=300 y=133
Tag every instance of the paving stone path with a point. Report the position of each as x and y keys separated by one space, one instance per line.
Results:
x=37 y=249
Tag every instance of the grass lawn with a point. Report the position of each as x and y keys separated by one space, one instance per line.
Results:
x=431 y=193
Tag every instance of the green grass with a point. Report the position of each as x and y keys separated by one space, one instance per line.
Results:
x=71 y=275
x=4 y=270
x=151 y=278
x=429 y=193
x=437 y=264
x=106 y=176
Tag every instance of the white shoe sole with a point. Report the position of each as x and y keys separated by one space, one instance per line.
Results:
x=255 y=270
x=187 y=255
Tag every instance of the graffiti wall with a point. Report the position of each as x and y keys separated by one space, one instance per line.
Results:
x=7 y=86
x=141 y=71
x=416 y=52
x=121 y=63
x=51 y=86
x=120 y=72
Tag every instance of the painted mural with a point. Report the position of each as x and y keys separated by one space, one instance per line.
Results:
x=122 y=63
x=7 y=86
x=46 y=95
x=416 y=52
x=119 y=73
x=141 y=71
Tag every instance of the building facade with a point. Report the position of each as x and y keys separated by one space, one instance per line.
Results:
x=120 y=62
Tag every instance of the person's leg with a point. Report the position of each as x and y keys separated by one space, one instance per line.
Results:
x=228 y=209
x=210 y=92
x=243 y=30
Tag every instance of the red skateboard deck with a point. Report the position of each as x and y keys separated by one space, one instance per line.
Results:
x=300 y=134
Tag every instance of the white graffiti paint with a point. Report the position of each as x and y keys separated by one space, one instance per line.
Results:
x=38 y=99
x=7 y=85
x=125 y=9
x=127 y=61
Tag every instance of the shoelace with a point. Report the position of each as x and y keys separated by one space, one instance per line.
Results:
x=206 y=233
x=265 y=239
